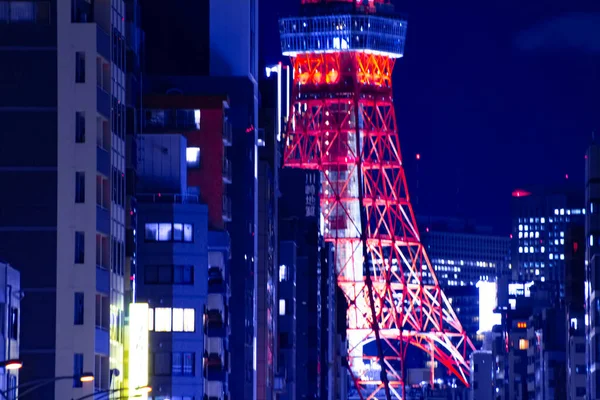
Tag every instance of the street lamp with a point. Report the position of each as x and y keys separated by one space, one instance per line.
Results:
x=11 y=365
x=139 y=391
x=34 y=385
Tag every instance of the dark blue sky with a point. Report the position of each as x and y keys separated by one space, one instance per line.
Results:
x=493 y=94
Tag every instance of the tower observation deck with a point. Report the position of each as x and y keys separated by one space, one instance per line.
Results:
x=342 y=122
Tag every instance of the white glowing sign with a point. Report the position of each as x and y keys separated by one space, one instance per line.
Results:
x=487 y=304
x=310 y=191
x=138 y=350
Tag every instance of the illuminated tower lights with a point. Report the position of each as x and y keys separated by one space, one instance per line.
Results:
x=342 y=122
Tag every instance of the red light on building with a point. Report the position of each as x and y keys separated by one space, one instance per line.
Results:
x=520 y=193
x=418 y=156
x=575 y=247
x=566 y=176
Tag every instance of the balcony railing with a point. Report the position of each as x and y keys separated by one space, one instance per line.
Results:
x=215 y=324
x=227 y=133
x=226 y=209
x=168 y=198
x=216 y=367
x=227 y=171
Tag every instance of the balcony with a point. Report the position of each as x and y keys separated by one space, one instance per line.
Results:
x=216 y=283
x=226 y=209
x=216 y=367
x=227 y=171
x=214 y=324
x=227 y=133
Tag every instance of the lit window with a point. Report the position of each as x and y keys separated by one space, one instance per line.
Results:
x=197 y=118
x=591 y=240
x=178 y=320
x=531 y=249
x=189 y=320
x=162 y=320
x=192 y=157
x=537 y=235
x=282 y=273
x=543 y=220
x=152 y=232
x=543 y=249
x=282 y=307
x=150 y=319
x=523 y=344
x=520 y=235
x=178 y=232
x=520 y=227
x=521 y=325
x=164 y=232
x=188 y=233
x=562 y=256
x=520 y=249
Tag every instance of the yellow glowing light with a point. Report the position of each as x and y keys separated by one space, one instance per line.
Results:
x=138 y=351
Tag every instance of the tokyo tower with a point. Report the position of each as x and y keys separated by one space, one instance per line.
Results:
x=342 y=122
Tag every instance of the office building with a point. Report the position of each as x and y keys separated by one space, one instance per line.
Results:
x=204 y=122
x=546 y=355
x=482 y=386
x=539 y=221
x=592 y=260
x=63 y=65
x=464 y=253
x=222 y=60
x=287 y=323
x=575 y=311
x=182 y=276
x=299 y=216
x=10 y=306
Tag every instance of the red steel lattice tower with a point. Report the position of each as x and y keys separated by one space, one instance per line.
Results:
x=342 y=122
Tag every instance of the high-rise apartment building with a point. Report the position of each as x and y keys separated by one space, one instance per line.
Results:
x=63 y=68
x=592 y=289
x=539 y=222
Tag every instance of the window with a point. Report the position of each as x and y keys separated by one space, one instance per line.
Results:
x=523 y=344
x=13 y=329
x=77 y=369
x=169 y=274
x=580 y=391
x=192 y=156
x=162 y=320
x=79 y=127
x=281 y=307
x=283 y=273
x=167 y=232
x=183 y=364
x=80 y=67
x=79 y=187
x=79 y=306
x=79 y=247
x=580 y=348
x=188 y=235
x=172 y=320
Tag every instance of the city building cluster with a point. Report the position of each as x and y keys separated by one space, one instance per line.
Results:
x=177 y=224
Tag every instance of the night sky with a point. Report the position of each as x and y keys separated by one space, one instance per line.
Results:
x=493 y=94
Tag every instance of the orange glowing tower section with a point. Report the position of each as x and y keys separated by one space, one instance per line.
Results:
x=342 y=122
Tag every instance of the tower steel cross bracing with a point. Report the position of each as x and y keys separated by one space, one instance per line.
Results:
x=342 y=122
